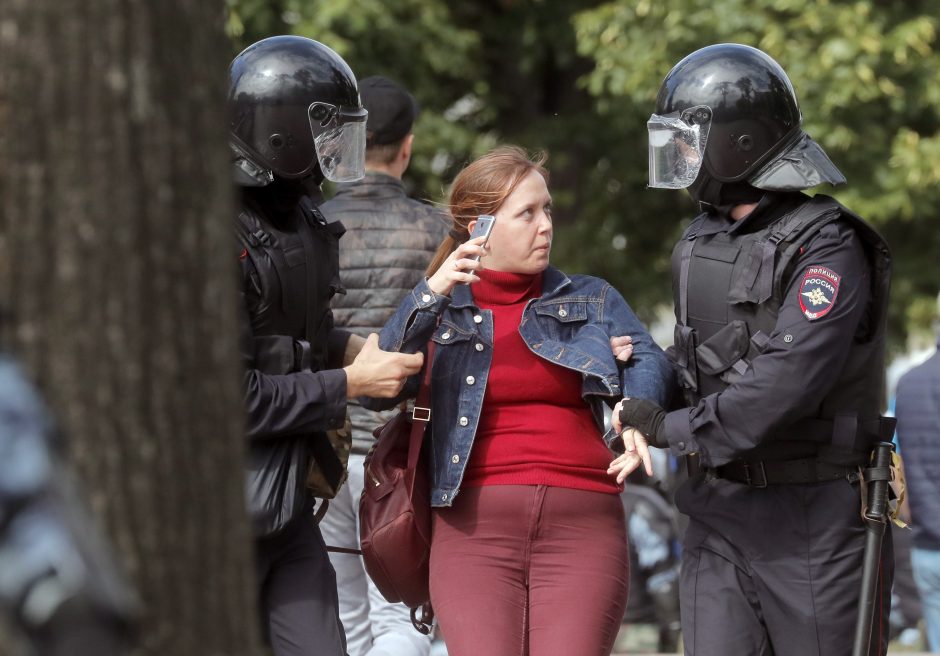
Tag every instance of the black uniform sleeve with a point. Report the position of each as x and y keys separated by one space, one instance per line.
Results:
x=337 y=347
x=808 y=347
x=300 y=402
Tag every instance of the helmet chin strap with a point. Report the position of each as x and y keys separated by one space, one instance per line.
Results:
x=712 y=194
x=315 y=177
x=246 y=172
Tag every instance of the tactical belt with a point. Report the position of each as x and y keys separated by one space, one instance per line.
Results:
x=761 y=473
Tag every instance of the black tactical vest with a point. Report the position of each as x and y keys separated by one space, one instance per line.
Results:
x=291 y=273
x=729 y=289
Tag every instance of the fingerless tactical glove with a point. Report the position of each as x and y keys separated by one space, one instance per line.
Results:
x=646 y=417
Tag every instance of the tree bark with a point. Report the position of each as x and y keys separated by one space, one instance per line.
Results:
x=117 y=271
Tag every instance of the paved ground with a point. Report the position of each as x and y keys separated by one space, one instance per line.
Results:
x=643 y=640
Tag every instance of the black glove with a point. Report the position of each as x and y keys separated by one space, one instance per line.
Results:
x=646 y=417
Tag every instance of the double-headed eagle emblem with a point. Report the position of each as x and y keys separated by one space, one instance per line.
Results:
x=816 y=297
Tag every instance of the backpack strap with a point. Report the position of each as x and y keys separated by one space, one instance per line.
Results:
x=685 y=257
x=253 y=237
x=826 y=211
x=761 y=275
x=311 y=256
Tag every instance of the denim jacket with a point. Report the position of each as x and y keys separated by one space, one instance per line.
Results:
x=570 y=325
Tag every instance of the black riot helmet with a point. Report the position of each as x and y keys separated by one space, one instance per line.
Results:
x=294 y=113
x=727 y=118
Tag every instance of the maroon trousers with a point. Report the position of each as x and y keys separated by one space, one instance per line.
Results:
x=525 y=570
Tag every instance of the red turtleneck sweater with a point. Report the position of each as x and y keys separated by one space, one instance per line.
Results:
x=535 y=429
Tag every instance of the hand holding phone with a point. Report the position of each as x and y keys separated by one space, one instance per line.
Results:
x=482 y=228
x=451 y=272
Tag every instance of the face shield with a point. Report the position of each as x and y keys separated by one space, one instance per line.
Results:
x=339 y=135
x=677 y=147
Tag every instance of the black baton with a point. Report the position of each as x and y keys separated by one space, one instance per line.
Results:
x=876 y=520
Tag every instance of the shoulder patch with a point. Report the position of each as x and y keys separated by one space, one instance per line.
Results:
x=818 y=292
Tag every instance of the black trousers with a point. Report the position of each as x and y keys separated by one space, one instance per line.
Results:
x=776 y=571
x=299 y=603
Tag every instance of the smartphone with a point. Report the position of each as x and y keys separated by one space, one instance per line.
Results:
x=482 y=228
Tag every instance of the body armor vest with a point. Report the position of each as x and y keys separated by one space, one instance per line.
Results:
x=291 y=273
x=729 y=289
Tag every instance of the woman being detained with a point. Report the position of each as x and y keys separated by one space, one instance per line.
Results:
x=529 y=550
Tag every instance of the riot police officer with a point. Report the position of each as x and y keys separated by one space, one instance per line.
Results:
x=780 y=303
x=296 y=120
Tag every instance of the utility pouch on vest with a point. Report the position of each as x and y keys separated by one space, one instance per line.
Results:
x=684 y=354
x=274 y=354
x=281 y=354
x=722 y=354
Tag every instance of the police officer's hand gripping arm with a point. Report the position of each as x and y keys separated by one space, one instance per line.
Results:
x=310 y=401
x=380 y=374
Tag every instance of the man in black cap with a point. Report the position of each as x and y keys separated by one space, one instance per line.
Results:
x=389 y=241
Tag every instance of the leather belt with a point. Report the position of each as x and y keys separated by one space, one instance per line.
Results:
x=761 y=473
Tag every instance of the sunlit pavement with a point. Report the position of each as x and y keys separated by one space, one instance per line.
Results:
x=642 y=640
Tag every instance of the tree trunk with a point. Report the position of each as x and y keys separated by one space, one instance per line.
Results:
x=117 y=270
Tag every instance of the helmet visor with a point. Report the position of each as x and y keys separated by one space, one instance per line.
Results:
x=677 y=147
x=339 y=135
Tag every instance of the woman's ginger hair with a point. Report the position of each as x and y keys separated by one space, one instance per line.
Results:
x=481 y=188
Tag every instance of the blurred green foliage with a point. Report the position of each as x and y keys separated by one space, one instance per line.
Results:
x=868 y=78
x=578 y=79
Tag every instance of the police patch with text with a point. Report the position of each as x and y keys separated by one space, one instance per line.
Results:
x=818 y=292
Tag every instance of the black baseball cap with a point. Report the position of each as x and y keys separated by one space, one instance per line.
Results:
x=392 y=110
